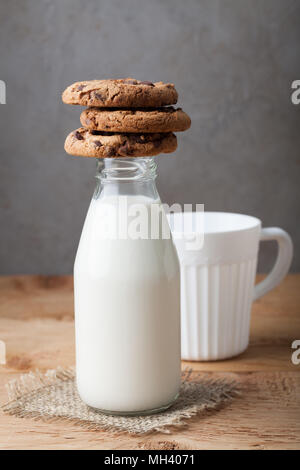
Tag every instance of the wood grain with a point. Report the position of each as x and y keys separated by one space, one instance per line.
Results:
x=36 y=322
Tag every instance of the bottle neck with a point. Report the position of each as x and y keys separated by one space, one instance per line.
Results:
x=126 y=176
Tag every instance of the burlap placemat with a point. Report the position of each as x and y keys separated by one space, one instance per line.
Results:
x=54 y=396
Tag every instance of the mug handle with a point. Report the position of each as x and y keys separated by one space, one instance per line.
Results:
x=283 y=261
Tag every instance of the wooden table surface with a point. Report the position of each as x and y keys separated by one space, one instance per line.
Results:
x=36 y=322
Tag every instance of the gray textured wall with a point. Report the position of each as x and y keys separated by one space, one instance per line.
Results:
x=232 y=61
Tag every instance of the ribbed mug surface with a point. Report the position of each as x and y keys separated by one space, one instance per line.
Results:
x=215 y=309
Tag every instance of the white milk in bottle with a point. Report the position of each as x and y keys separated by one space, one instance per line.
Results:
x=127 y=296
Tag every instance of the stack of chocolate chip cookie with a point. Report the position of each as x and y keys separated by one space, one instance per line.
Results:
x=124 y=118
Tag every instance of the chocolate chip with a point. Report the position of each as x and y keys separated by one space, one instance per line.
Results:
x=81 y=87
x=124 y=149
x=156 y=142
x=99 y=97
x=94 y=132
x=109 y=151
x=155 y=139
x=140 y=139
x=98 y=143
x=143 y=139
x=78 y=135
x=146 y=83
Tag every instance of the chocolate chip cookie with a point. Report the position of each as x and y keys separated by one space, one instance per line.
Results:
x=166 y=119
x=121 y=93
x=86 y=143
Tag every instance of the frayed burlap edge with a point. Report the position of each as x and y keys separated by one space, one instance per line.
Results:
x=197 y=395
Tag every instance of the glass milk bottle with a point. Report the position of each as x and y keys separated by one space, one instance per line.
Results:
x=127 y=295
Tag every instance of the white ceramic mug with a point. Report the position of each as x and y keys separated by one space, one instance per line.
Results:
x=217 y=281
